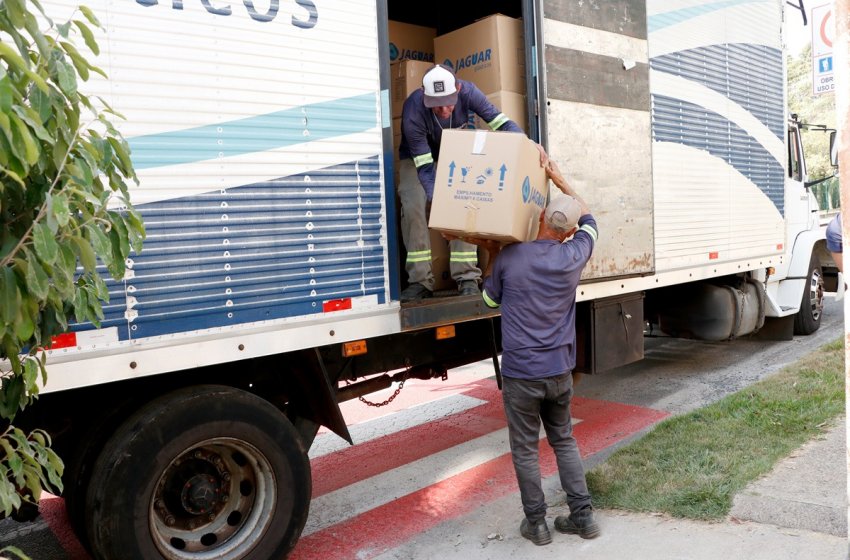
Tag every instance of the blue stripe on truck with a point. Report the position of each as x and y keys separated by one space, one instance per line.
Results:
x=270 y=250
x=680 y=122
x=750 y=75
x=317 y=121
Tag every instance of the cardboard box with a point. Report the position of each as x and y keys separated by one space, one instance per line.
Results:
x=406 y=77
x=411 y=42
x=510 y=103
x=440 y=257
x=489 y=53
x=488 y=185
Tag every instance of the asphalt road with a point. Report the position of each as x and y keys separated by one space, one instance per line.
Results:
x=433 y=468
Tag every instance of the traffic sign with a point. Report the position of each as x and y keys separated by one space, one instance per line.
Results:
x=823 y=33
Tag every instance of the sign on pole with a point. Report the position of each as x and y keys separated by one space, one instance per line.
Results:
x=823 y=33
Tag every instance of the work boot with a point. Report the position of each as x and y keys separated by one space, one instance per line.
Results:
x=538 y=532
x=579 y=523
x=415 y=292
x=468 y=288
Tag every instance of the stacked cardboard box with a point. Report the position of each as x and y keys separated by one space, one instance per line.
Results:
x=411 y=42
x=511 y=104
x=490 y=53
x=406 y=77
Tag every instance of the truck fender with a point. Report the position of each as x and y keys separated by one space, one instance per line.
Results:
x=789 y=293
x=801 y=254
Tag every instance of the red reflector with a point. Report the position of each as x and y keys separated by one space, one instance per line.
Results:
x=779 y=246
x=64 y=340
x=336 y=304
x=714 y=255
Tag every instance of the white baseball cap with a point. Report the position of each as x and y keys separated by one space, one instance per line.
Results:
x=563 y=212
x=440 y=87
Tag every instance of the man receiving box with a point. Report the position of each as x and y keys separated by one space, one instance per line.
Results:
x=443 y=102
x=535 y=283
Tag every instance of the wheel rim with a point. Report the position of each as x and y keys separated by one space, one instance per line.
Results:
x=215 y=500
x=816 y=294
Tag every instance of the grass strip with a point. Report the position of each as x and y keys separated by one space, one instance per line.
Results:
x=693 y=465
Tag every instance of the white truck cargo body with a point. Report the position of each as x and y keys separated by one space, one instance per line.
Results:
x=257 y=138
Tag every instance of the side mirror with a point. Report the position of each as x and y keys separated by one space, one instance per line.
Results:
x=833 y=149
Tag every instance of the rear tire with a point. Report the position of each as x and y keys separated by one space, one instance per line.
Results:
x=807 y=320
x=206 y=471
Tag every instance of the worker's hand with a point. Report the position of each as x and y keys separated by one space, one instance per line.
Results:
x=552 y=170
x=544 y=157
x=488 y=244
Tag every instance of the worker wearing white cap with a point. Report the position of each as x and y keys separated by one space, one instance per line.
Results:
x=443 y=102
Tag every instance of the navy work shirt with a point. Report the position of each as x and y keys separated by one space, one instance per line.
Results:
x=833 y=235
x=535 y=282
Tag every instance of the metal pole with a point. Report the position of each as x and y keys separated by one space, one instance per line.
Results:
x=841 y=57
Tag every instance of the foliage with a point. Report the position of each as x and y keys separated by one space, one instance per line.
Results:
x=812 y=109
x=64 y=204
x=693 y=465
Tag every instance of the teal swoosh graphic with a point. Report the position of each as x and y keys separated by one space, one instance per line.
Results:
x=298 y=125
x=660 y=21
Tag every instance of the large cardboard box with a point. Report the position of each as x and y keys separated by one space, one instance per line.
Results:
x=489 y=53
x=440 y=257
x=510 y=103
x=411 y=42
x=488 y=185
x=406 y=77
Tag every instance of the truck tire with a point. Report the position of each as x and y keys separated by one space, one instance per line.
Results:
x=807 y=320
x=206 y=471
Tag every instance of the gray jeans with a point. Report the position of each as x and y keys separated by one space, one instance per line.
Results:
x=526 y=404
x=417 y=241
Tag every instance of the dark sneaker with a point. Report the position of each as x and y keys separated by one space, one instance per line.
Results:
x=415 y=292
x=468 y=288
x=579 y=523
x=538 y=533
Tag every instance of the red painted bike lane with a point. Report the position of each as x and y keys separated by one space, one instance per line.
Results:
x=599 y=424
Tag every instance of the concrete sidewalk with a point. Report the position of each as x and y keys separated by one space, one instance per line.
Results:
x=807 y=490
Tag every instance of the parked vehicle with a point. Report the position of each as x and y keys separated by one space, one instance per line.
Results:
x=268 y=288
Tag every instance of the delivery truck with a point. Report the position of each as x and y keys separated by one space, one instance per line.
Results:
x=268 y=288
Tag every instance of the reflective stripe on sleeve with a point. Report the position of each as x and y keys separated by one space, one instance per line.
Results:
x=590 y=231
x=488 y=300
x=497 y=123
x=424 y=159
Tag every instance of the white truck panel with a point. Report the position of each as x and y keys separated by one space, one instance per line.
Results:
x=260 y=160
x=718 y=130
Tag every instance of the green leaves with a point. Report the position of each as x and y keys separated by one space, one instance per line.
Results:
x=45 y=245
x=62 y=164
x=28 y=466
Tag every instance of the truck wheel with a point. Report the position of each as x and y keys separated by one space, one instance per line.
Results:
x=808 y=318
x=203 y=472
